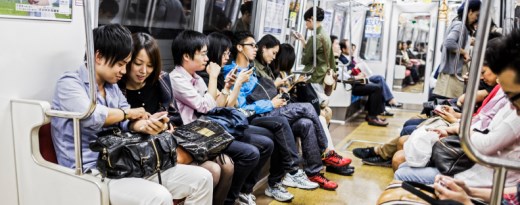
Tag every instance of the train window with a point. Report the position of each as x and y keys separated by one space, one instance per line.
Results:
x=372 y=43
x=161 y=18
x=220 y=15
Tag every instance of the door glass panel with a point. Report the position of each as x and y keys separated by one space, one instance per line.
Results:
x=412 y=38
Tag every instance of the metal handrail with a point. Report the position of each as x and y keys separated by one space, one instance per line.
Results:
x=76 y=116
x=500 y=164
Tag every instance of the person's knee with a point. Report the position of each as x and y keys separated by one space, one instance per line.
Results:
x=214 y=169
x=402 y=140
x=398 y=159
x=161 y=196
x=250 y=156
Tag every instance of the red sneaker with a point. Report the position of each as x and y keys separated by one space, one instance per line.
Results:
x=332 y=158
x=323 y=182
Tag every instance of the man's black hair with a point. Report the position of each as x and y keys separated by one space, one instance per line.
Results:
x=408 y=42
x=246 y=7
x=343 y=44
x=333 y=38
x=238 y=38
x=109 y=6
x=320 y=14
x=113 y=42
x=505 y=55
x=187 y=42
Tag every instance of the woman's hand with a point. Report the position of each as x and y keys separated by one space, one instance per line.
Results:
x=213 y=70
x=278 y=102
x=137 y=113
x=230 y=79
x=441 y=131
x=446 y=116
x=447 y=188
x=279 y=82
x=154 y=125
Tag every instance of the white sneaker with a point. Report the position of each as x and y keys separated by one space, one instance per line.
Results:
x=248 y=199
x=299 y=180
x=279 y=193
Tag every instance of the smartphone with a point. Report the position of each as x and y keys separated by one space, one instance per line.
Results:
x=439 y=108
x=161 y=118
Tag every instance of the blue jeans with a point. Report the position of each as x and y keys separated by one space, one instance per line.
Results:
x=410 y=125
x=285 y=156
x=424 y=175
x=387 y=93
x=249 y=154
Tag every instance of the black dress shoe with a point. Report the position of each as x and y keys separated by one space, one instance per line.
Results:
x=386 y=113
x=377 y=122
x=344 y=170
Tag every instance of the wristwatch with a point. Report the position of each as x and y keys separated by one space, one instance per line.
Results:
x=223 y=91
x=125 y=114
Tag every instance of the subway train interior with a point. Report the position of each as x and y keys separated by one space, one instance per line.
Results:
x=373 y=100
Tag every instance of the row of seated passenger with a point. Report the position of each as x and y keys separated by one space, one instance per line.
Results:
x=494 y=126
x=133 y=93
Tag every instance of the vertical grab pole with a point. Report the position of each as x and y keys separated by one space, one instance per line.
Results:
x=92 y=84
x=314 y=13
x=499 y=178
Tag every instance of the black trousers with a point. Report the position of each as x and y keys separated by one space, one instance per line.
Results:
x=375 y=104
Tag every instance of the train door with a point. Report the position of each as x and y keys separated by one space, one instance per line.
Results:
x=410 y=50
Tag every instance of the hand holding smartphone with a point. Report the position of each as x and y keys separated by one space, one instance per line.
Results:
x=161 y=118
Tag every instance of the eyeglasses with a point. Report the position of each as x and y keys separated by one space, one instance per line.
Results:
x=226 y=53
x=249 y=44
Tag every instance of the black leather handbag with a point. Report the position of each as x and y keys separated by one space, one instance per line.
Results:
x=448 y=156
x=203 y=139
x=264 y=90
x=126 y=154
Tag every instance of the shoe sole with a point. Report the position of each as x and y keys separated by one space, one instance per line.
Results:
x=291 y=184
x=329 y=189
x=277 y=199
x=376 y=164
x=343 y=174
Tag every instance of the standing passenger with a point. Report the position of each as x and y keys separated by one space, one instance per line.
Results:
x=324 y=52
x=113 y=46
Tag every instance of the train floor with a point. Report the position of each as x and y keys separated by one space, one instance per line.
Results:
x=368 y=182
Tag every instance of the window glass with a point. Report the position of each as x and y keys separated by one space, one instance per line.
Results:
x=161 y=18
x=372 y=43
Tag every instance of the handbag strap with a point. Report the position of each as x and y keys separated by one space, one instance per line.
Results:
x=412 y=188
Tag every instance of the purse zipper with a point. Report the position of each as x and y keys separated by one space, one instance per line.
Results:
x=158 y=167
x=106 y=157
x=449 y=148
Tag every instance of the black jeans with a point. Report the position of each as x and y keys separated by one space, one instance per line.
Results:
x=249 y=153
x=375 y=104
x=285 y=156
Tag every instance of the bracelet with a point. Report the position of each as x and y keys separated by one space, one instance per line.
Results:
x=224 y=93
x=125 y=115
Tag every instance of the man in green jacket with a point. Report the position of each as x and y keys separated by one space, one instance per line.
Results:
x=324 y=54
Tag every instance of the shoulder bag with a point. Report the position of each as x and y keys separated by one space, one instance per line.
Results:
x=448 y=156
x=203 y=139
x=126 y=154
x=264 y=90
